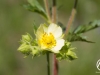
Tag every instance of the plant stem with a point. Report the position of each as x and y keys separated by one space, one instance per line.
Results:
x=49 y=19
x=48 y=64
x=54 y=11
x=55 y=62
x=47 y=9
x=55 y=68
x=71 y=19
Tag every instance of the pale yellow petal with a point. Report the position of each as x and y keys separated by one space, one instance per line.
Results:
x=58 y=32
x=45 y=29
x=55 y=30
x=59 y=45
x=39 y=32
x=52 y=27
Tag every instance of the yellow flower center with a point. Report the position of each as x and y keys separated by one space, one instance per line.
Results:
x=47 y=41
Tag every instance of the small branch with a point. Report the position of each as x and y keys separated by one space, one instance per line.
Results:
x=54 y=11
x=47 y=9
x=71 y=17
x=48 y=64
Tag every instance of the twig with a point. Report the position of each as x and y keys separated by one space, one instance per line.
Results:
x=47 y=9
x=71 y=17
x=48 y=64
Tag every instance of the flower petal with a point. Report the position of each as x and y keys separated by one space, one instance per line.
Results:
x=52 y=27
x=59 y=45
x=58 y=32
x=45 y=29
x=39 y=32
x=55 y=30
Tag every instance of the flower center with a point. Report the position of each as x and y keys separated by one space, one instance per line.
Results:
x=47 y=41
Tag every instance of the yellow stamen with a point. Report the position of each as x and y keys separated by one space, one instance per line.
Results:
x=47 y=41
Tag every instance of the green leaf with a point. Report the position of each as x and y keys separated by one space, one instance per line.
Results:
x=35 y=3
x=84 y=28
x=77 y=37
x=34 y=6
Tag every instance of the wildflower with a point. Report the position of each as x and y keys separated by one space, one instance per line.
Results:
x=50 y=38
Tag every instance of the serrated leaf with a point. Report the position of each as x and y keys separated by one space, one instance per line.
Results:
x=84 y=28
x=34 y=6
x=76 y=37
x=35 y=3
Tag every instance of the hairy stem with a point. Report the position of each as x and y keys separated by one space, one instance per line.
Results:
x=47 y=9
x=71 y=19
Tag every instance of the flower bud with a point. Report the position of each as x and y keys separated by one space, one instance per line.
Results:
x=35 y=50
x=71 y=55
x=25 y=49
x=26 y=37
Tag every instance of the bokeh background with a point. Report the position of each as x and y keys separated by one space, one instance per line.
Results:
x=16 y=21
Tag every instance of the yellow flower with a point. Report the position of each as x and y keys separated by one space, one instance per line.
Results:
x=50 y=38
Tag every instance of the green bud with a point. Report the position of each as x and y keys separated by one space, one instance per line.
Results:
x=66 y=52
x=65 y=47
x=71 y=55
x=35 y=50
x=26 y=37
x=25 y=49
x=68 y=44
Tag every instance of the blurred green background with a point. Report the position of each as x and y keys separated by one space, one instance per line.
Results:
x=16 y=21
